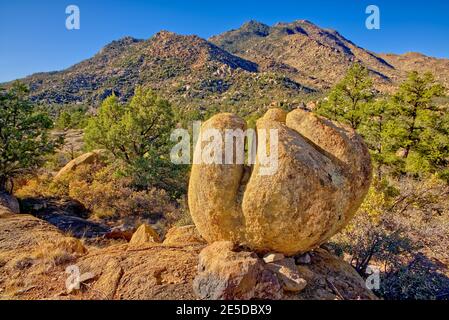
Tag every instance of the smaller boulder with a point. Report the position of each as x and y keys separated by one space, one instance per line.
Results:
x=225 y=274
x=183 y=235
x=288 y=274
x=144 y=234
x=87 y=158
x=120 y=234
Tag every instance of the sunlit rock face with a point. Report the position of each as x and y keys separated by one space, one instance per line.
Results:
x=322 y=174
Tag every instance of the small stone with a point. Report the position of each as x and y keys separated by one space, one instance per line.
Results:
x=273 y=257
x=288 y=274
x=303 y=259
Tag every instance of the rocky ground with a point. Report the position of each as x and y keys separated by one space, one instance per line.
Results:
x=56 y=252
x=36 y=259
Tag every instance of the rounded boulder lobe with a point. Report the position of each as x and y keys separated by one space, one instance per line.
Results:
x=214 y=188
x=321 y=176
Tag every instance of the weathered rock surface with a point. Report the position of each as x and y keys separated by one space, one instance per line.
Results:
x=331 y=278
x=183 y=235
x=33 y=266
x=224 y=274
x=324 y=172
x=144 y=234
x=24 y=234
x=288 y=274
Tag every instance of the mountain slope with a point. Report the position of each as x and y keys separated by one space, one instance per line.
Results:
x=416 y=61
x=243 y=69
x=183 y=68
x=320 y=57
x=309 y=54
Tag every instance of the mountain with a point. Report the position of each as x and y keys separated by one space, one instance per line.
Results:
x=243 y=69
x=309 y=54
x=186 y=69
x=319 y=57
x=416 y=61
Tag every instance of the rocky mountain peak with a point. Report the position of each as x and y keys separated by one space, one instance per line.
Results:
x=256 y=28
x=292 y=55
x=121 y=43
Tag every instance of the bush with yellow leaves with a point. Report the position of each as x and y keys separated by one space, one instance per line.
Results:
x=102 y=191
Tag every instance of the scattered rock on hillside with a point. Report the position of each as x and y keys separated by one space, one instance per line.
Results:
x=331 y=278
x=145 y=271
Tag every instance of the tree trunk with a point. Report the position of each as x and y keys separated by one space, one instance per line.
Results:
x=411 y=131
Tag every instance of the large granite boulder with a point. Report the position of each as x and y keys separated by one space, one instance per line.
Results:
x=323 y=174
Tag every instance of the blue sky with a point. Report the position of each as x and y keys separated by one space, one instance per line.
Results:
x=33 y=36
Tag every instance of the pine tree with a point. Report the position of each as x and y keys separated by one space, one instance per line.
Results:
x=138 y=134
x=422 y=123
x=348 y=100
x=24 y=134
